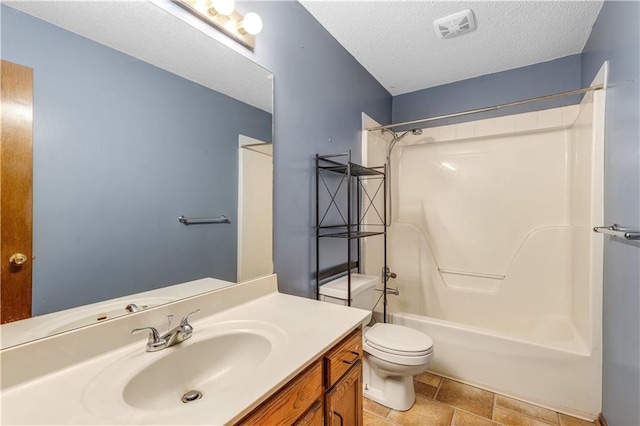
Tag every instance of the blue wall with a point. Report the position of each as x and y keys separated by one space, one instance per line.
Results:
x=616 y=38
x=320 y=92
x=517 y=84
x=121 y=149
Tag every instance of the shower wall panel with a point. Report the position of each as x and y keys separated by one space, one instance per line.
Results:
x=491 y=224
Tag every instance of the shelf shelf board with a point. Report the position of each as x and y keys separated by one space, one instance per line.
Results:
x=353 y=168
x=351 y=235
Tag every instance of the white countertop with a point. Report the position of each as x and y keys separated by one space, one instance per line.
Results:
x=305 y=329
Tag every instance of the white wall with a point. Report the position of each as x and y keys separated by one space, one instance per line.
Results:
x=255 y=209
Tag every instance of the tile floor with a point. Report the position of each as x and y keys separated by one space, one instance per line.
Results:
x=441 y=401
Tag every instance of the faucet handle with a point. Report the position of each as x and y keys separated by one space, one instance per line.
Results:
x=186 y=328
x=132 y=307
x=155 y=342
x=185 y=319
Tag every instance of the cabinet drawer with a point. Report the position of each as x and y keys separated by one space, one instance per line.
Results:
x=286 y=406
x=346 y=354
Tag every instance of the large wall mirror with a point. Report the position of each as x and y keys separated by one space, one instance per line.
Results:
x=139 y=117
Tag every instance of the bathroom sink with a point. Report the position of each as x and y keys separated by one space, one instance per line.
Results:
x=208 y=366
x=218 y=363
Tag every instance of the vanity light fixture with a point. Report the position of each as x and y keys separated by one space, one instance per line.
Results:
x=221 y=15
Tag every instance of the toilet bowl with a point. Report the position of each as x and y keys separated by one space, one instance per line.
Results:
x=393 y=353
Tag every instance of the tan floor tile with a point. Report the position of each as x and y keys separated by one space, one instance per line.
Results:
x=527 y=409
x=462 y=418
x=429 y=378
x=369 y=419
x=424 y=412
x=512 y=418
x=375 y=408
x=424 y=389
x=573 y=421
x=468 y=398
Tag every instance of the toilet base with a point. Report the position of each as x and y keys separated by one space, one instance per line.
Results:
x=395 y=392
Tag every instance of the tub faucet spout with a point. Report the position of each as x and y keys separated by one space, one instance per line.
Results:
x=394 y=291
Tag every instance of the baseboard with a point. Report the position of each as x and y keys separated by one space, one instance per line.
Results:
x=601 y=421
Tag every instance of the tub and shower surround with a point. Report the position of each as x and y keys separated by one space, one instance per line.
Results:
x=484 y=233
x=491 y=241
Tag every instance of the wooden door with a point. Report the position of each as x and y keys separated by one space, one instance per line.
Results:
x=344 y=401
x=16 y=199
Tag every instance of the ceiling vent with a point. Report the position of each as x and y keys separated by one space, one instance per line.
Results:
x=456 y=24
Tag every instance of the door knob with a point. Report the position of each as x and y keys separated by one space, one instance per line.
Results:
x=18 y=259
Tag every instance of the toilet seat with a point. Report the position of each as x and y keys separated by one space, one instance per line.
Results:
x=398 y=344
x=398 y=352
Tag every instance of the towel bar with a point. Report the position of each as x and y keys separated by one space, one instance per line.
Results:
x=202 y=220
x=618 y=231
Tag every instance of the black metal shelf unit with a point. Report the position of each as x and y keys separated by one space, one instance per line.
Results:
x=353 y=227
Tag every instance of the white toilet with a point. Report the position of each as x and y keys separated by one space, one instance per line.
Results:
x=393 y=354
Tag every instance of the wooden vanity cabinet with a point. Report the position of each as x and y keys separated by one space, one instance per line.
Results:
x=329 y=392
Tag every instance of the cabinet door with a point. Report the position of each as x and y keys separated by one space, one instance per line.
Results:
x=291 y=402
x=313 y=417
x=344 y=401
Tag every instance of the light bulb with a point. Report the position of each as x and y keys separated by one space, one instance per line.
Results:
x=223 y=7
x=230 y=26
x=252 y=23
x=201 y=5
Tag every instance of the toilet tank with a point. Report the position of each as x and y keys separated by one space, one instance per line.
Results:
x=362 y=291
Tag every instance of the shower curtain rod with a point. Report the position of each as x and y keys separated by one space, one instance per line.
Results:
x=491 y=108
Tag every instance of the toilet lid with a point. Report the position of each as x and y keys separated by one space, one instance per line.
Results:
x=398 y=339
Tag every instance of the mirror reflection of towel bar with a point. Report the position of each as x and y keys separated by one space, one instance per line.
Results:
x=203 y=220
x=618 y=231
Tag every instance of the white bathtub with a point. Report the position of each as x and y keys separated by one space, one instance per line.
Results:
x=560 y=379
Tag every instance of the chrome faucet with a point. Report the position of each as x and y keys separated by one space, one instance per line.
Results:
x=132 y=307
x=172 y=337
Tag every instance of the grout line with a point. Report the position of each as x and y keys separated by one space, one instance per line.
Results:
x=533 y=405
x=383 y=418
x=531 y=417
x=469 y=412
x=454 y=408
x=389 y=413
x=438 y=388
x=493 y=407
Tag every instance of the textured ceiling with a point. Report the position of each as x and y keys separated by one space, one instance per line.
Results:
x=396 y=42
x=145 y=31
